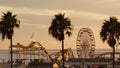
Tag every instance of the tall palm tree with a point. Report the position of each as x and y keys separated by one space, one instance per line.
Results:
x=60 y=26
x=110 y=33
x=7 y=24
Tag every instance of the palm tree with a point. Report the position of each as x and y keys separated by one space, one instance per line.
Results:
x=60 y=26
x=110 y=33
x=7 y=24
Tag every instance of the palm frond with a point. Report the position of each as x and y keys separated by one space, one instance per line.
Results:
x=7 y=24
x=60 y=26
x=110 y=30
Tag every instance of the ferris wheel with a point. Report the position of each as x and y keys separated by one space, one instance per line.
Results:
x=85 y=43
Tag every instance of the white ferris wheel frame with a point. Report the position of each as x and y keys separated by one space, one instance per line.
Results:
x=92 y=41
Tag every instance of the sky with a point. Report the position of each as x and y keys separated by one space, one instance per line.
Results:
x=36 y=17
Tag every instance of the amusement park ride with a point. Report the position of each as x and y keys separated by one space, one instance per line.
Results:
x=85 y=43
x=36 y=49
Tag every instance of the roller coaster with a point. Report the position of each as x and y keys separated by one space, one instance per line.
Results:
x=36 y=49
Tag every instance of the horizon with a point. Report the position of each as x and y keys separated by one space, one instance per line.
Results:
x=36 y=18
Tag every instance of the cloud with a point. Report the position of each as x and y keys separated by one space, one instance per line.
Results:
x=51 y=12
x=87 y=14
x=35 y=11
x=36 y=26
x=4 y=8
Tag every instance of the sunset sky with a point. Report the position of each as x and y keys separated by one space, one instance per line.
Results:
x=36 y=17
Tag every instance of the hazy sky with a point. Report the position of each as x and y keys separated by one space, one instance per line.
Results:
x=36 y=17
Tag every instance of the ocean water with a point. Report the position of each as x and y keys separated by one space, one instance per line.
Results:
x=5 y=54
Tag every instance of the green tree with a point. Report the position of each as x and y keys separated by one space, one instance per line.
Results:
x=7 y=24
x=110 y=33
x=60 y=26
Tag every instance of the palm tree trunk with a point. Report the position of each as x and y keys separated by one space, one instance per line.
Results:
x=11 y=52
x=113 y=56
x=63 y=53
